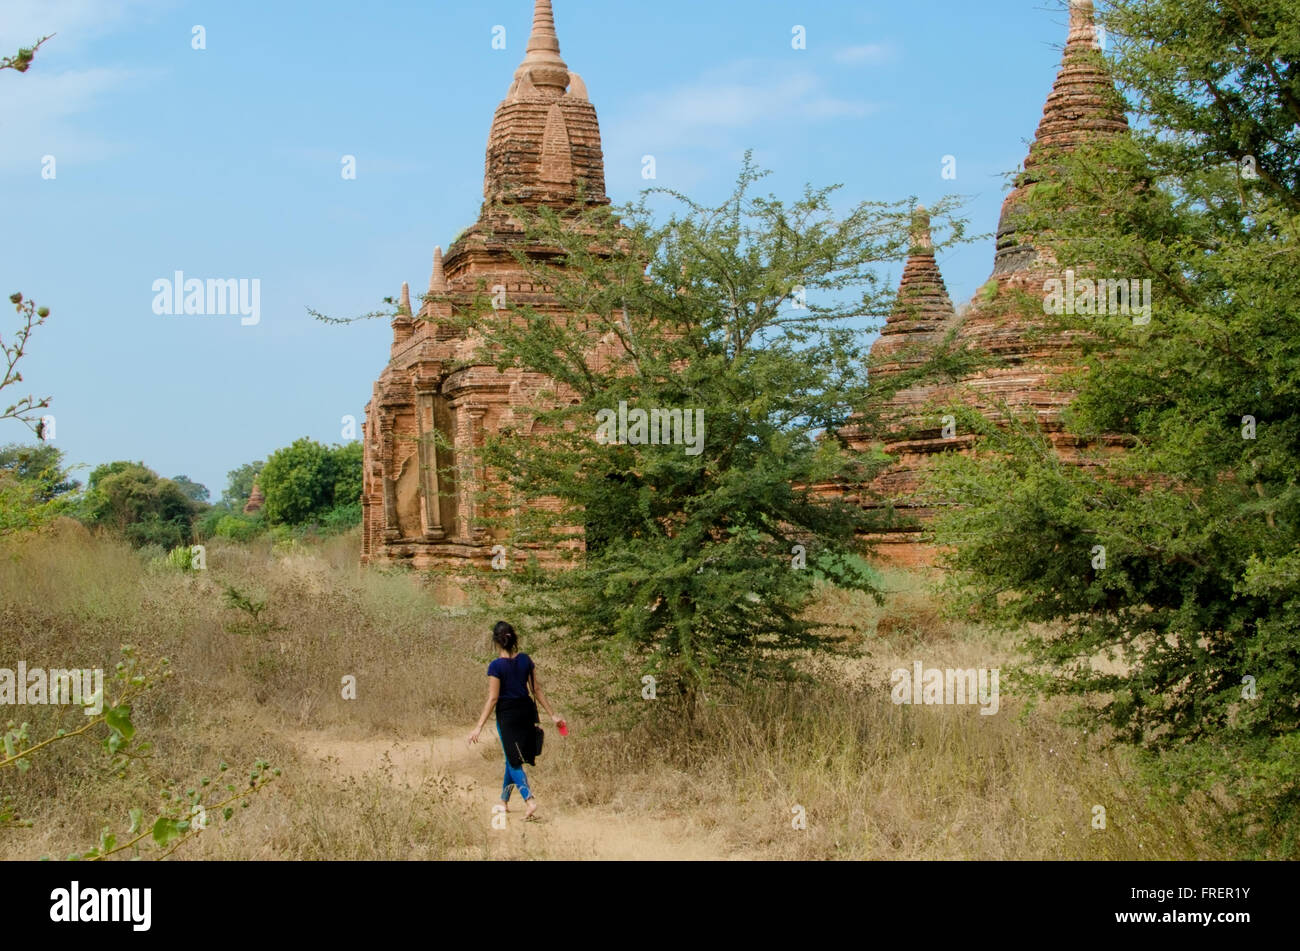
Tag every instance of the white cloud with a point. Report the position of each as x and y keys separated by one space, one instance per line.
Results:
x=722 y=101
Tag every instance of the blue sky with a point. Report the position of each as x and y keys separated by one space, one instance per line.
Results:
x=225 y=162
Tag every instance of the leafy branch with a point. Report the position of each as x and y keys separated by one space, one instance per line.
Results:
x=22 y=60
x=174 y=827
x=131 y=680
x=27 y=408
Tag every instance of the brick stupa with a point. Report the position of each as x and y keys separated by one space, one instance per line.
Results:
x=923 y=314
x=255 y=501
x=1083 y=106
x=432 y=406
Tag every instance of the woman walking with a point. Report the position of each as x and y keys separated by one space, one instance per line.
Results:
x=509 y=677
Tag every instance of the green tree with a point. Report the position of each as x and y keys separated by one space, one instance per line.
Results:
x=309 y=482
x=1179 y=558
x=347 y=462
x=240 y=485
x=34 y=486
x=131 y=499
x=194 y=491
x=345 y=511
x=41 y=466
x=702 y=554
x=298 y=482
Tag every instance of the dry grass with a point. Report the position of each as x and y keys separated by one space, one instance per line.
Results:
x=876 y=780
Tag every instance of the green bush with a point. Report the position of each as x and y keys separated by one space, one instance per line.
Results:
x=305 y=481
x=128 y=497
x=239 y=528
x=205 y=526
x=181 y=558
x=341 y=517
x=153 y=529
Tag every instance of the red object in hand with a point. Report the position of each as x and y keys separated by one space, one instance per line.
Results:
x=563 y=727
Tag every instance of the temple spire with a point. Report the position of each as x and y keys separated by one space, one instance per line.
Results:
x=921 y=310
x=438 y=282
x=255 y=500
x=403 y=323
x=544 y=145
x=1083 y=102
x=543 y=68
x=922 y=242
x=1083 y=25
x=1083 y=106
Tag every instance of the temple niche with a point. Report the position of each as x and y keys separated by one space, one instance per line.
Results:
x=429 y=411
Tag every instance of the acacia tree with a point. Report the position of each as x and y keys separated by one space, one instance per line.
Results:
x=1181 y=558
x=690 y=562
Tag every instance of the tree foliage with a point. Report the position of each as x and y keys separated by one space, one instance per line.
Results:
x=1180 y=558
x=699 y=559
x=194 y=491
x=35 y=486
x=41 y=466
x=131 y=499
x=240 y=485
x=307 y=482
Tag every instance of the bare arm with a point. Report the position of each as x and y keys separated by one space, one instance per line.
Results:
x=494 y=692
x=541 y=697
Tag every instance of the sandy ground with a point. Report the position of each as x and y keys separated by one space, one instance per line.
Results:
x=559 y=832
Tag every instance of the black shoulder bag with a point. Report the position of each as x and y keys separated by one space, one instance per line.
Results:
x=540 y=734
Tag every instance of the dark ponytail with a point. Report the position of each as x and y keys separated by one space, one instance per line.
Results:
x=504 y=636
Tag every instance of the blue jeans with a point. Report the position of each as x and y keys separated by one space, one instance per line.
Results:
x=514 y=777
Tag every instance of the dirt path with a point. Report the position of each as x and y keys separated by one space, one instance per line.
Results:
x=561 y=832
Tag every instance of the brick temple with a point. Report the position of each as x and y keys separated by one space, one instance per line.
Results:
x=429 y=412
x=1029 y=359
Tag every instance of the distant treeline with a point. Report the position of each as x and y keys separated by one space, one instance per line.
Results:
x=306 y=485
